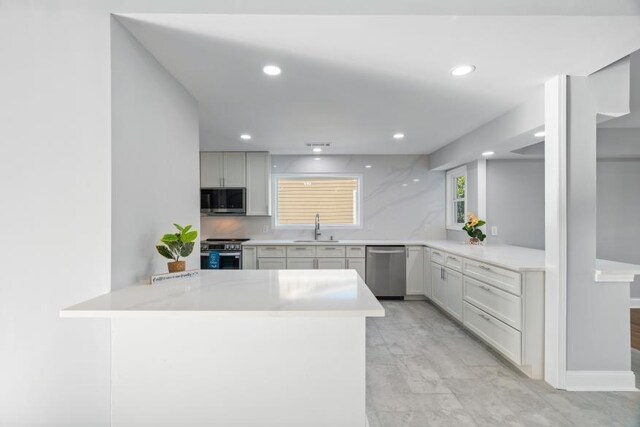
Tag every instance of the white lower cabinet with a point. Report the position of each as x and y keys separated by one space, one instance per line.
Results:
x=415 y=270
x=272 y=263
x=500 y=336
x=453 y=283
x=301 y=263
x=357 y=264
x=249 y=258
x=426 y=274
x=494 y=301
x=331 y=263
x=439 y=295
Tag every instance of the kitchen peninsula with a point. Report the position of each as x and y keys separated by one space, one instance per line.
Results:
x=238 y=348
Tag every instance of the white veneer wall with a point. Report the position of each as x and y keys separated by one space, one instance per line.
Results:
x=155 y=160
x=390 y=211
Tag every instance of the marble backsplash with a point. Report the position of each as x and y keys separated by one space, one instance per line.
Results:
x=390 y=210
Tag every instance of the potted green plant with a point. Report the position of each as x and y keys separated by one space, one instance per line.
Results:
x=176 y=245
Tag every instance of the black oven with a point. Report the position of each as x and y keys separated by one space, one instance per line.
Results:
x=223 y=201
x=227 y=254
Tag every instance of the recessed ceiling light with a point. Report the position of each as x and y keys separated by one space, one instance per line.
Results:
x=317 y=158
x=245 y=137
x=317 y=150
x=404 y=185
x=416 y=180
x=398 y=135
x=539 y=134
x=275 y=166
x=462 y=70
x=367 y=166
x=272 y=70
x=488 y=153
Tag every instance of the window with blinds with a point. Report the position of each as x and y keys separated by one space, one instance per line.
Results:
x=300 y=198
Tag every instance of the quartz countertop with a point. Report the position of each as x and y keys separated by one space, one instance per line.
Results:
x=511 y=257
x=240 y=293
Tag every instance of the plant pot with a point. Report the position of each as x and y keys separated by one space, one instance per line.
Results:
x=474 y=241
x=176 y=266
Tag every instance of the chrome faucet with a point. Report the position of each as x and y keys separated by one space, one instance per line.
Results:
x=317 y=232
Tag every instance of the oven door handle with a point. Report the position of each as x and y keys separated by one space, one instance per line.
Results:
x=230 y=254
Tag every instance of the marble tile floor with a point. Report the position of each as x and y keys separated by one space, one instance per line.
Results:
x=425 y=370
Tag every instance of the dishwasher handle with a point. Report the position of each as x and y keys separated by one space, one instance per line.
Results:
x=374 y=251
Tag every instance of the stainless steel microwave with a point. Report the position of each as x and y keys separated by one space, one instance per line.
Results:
x=223 y=201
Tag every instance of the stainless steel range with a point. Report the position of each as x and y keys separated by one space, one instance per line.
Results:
x=230 y=251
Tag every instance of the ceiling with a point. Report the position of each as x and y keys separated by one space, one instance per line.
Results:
x=354 y=81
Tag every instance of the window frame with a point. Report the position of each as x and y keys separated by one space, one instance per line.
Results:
x=358 y=216
x=451 y=176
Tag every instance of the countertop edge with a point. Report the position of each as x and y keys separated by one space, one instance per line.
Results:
x=215 y=314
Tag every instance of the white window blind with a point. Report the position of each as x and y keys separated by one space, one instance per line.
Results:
x=300 y=198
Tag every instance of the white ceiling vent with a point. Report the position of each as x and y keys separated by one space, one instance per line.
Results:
x=318 y=144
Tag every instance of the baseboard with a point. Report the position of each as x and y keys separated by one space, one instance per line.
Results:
x=635 y=302
x=601 y=381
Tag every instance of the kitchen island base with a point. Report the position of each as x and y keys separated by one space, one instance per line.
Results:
x=238 y=371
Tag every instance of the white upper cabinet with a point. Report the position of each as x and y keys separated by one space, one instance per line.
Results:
x=234 y=169
x=258 y=184
x=415 y=271
x=211 y=169
x=426 y=263
x=222 y=169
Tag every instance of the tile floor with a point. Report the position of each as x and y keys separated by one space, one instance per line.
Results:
x=424 y=370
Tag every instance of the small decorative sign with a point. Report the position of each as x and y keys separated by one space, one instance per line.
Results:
x=159 y=278
x=214 y=260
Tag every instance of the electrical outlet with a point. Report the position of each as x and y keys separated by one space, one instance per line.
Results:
x=494 y=230
x=265 y=228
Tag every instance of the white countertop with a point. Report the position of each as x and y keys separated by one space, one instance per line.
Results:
x=511 y=257
x=238 y=293
x=614 y=271
x=507 y=256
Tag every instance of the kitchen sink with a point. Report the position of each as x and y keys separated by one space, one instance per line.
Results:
x=316 y=241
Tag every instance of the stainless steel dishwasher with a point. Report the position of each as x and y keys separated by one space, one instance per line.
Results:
x=386 y=273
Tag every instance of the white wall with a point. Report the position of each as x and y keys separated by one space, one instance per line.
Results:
x=618 y=235
x=515 y=202
x=390 y=211
x=155 y=152
x=55 y=212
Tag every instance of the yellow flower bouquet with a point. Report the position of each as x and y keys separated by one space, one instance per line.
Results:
x=472 y=227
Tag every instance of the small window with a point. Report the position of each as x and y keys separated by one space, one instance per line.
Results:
x=456 y=197
x=300 y=197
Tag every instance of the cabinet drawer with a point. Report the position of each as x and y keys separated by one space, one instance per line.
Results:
x=438 y=256
x=507 y=280
x=272 y=251
x=356 y=251
x=498 y=303
x=500 y=336
x=330 y=251
x=301 y=251
x=272 y=263
x=453 y=261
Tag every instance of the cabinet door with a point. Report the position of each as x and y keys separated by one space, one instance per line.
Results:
x=357 y=264
x=210 y=170
x=300 y=263
x=453 y=281
x=426 y=262
x=415 y=285
x=439 y=286
x=258 y=184
x=331 y=263
x=234 y=169
x=272 y=263
x=249 y=258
